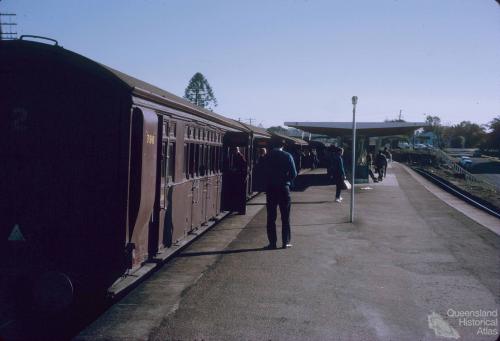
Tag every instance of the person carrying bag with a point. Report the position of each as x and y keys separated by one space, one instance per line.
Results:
x=337 y=173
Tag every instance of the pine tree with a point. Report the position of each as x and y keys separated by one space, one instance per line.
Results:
x=200 y=92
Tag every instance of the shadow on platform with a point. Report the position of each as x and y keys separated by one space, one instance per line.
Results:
x=307 y=180
x=295 y=203
x=222 y=252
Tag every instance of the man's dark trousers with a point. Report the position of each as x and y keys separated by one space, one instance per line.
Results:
x=339 y=183
x=278 y=196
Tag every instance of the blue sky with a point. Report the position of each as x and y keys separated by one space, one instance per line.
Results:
x=294 y=60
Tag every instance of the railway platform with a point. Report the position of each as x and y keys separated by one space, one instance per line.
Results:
x=411 y=267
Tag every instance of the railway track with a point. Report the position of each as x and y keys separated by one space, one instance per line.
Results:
x=458 y=192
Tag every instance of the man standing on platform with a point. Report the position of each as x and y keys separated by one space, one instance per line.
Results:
x=280 y=173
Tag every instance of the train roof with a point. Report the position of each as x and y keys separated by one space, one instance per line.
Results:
x=152 y=92
x=291 y=139
x=257 y=131
x=135 y=86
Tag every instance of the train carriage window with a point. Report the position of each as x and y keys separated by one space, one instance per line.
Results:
x=192 y=152
x=165 y=129
x=221 y=158
x=163 y=158
x=212 y=159
x=216 y=164
x=185 y=166
x=202 y=166
x=173 y=130
x=196 y=159
x=163 y=173
x=200 y=159
x=208 y=160
x=171 y=162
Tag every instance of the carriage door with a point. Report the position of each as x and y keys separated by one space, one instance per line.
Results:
x=143 y=162
x=195 y=208
x=167 y=179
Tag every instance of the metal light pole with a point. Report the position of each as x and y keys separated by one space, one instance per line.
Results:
x=353 y=169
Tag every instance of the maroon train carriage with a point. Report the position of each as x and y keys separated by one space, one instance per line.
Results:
x=100 y=172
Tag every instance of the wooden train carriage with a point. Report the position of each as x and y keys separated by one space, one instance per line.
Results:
x=99 y=171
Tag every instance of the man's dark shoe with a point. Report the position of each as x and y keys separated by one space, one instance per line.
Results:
x=271 y=247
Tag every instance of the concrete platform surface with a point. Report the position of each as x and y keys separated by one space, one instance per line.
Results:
x=410 y=268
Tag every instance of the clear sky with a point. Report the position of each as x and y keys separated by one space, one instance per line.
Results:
x=294 y=60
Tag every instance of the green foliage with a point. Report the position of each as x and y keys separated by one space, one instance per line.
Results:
x=457 y=142
x=432 y=122
x=434 y=126
x=474 y=134
x=200 y=92
x=493 y=138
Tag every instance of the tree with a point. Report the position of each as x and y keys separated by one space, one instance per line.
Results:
x=434 y=126
x=474 y=134
x=432 y=122
x=457 y=142
x=200 y=92
x=493 y=137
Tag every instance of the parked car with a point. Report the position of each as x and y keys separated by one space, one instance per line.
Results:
x=465 y=161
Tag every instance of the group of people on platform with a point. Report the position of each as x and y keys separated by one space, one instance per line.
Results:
x=310 y=159
x=380 y=164
x=278 y=170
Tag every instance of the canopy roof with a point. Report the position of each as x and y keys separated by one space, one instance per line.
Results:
x=335 y=129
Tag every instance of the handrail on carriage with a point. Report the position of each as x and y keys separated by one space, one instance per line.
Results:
x=56 y=43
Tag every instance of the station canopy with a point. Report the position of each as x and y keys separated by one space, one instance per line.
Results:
x=369 y=129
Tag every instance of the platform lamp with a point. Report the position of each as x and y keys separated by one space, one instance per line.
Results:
x=353 y=169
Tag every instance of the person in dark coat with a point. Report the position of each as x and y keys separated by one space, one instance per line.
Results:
x=280 y=173
x=369 y=163
x=239 y=169
x=337 y=172
x=258 y=180
x=381 y=165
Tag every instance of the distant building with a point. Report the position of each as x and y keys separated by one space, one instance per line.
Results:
x=428 y=138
